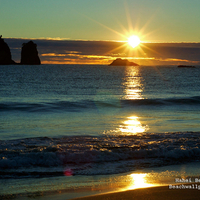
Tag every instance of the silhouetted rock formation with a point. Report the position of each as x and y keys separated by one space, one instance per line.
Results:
x=124 y=62
x=188 y=66
x=29 y=54
x=5 y=54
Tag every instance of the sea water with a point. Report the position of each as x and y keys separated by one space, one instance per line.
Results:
x=95 y=120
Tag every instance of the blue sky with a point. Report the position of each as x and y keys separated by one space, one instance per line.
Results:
x=57 y=22
x=152 y=20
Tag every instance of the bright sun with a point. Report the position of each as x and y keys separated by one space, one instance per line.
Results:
x=134 y=41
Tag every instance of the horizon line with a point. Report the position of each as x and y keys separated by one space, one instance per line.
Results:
x=87 y=40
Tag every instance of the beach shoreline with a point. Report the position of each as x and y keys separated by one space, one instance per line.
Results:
x=152 y=193
x=126 y=185
x=179 y=191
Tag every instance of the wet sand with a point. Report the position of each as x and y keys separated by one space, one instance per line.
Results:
x=153 y=193
x=152 y=183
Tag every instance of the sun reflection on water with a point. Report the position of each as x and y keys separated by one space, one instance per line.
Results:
x=132 y=83
x=132 y=126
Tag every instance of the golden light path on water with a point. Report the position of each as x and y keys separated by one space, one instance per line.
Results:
x=133 y=90
x=132 y=126
x=132 y=83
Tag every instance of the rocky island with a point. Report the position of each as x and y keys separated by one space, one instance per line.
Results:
x=5 y=54
x=29 y=54
x=122 y=62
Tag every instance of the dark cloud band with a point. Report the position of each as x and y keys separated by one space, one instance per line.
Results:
x=103 y=52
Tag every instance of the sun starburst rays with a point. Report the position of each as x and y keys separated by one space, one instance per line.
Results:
x=133 y=37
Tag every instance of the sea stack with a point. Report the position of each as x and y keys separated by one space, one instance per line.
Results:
x=5 y=54
x=29 y=54
x=123 y=62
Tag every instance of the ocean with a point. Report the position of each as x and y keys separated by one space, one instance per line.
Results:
x=63 y=127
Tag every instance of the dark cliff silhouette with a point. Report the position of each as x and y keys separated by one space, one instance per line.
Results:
x=5 y=54
x=29 y=54
x=123 y=62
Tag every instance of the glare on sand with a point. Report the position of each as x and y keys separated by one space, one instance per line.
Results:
x=138 y=181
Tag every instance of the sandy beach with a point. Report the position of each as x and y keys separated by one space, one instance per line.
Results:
x=153 y=193
x=169 y=182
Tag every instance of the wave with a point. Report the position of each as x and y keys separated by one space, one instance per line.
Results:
x=89 y=155
x=42 y=107
x=78 y=106
x=168 y=101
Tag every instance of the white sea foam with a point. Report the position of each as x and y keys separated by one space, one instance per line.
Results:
x=89 y=155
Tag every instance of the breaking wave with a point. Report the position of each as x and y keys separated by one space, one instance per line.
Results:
x=78 y=106
x=89 y=155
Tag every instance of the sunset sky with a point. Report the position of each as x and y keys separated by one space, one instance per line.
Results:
x=154 y=21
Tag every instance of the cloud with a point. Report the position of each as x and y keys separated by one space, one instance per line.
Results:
x=57 y=51
x=52 y=55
